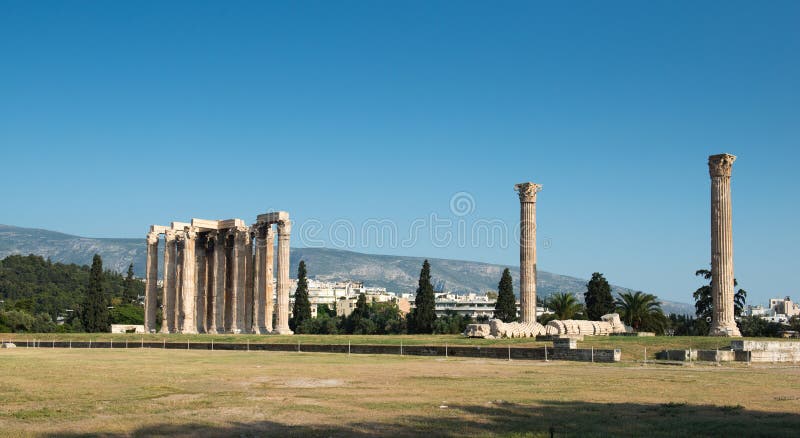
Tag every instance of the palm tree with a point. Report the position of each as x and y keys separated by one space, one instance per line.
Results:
x=704 y=303
x=642 y=311
x=564 y=305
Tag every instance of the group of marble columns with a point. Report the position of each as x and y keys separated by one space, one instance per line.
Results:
x=218 y=276
x=722 y=321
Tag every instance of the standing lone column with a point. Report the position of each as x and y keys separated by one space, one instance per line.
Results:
x=151 y=288
x=189 y=280
x=722 y=319
x=527 y=250
x=169 y=286
x=284 y=231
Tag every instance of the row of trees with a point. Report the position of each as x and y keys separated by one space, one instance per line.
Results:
x=36 y=292
x=373 y=317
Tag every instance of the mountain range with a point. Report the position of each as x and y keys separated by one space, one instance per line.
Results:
x=396 y=273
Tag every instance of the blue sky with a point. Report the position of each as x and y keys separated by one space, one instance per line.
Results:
x=117 y=115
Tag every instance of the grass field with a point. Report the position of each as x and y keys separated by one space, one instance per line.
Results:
x=633 y=348
x=144 y=392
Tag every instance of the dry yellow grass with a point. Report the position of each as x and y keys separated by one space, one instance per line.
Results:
x=173 y=392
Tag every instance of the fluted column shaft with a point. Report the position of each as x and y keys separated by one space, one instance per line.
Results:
x=169 y=286
x=282 y=323
x=259 y=292
x=189 y=282
x=180 y=245
x=269 y=278
x=151 y=286
x=249 y=282
x=722 y=287
x=201 y=276
x=238 y=280
x=527 y=250
x=216 y=321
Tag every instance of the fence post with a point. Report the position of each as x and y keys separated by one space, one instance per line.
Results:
x=545 y=353
x=645 y=356
x=445 y=349
x=142 y=341
x=111 y=344
x=592 y=353
x=509 y=352
x=401 y=347
x=348 y=347
x=187 y=344
x=164 y=344
x=212 y=344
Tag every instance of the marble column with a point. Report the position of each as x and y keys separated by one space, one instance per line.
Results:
x=189 y=282
x=168 y=287
x=260 y=290
x=249 y=280
x=216 y=314
x=269 y=277
x=722 y=319
x=151 y=286
x=238 y=279
x=527 y=250
x=180 y=244
x=210 y=279
x=282 y=323
x=200 y=285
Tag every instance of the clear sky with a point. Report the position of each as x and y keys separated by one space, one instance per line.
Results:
x=367 y=119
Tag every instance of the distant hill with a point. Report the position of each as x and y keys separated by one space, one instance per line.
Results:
x=396 y=273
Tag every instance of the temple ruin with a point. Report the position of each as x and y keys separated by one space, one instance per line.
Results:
x=218 y=276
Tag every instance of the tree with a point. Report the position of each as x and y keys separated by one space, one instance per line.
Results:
x=564 y=305
x=129 y=294
x=598 y=298
x=642 y=311
x=95 y=307
x=704 y=302
x=505 y=308
x=302 y=307
x=756 y=326
x=424 y=314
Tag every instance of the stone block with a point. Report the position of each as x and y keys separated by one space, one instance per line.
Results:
x=231 y=223
x=205 y=224
x=788 y=346
x=273 y=217
x=8 y=345
x=569 y=343
x=478 y=331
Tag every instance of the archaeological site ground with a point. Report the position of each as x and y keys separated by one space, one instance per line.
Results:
x=153 y=392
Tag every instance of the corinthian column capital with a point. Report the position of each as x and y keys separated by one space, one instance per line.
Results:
x=284 y=228
x=169 y=235
x=721 y=165
x=152 y=238
x=527 y=191
x=191 y=232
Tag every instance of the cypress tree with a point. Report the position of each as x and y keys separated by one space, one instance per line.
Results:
x=129 y=294
x=597 y=298
x=424 y=314
x=302 y=307
x=95 y=309
x=505 y=308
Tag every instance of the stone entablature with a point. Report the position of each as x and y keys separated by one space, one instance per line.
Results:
x=218 y=276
